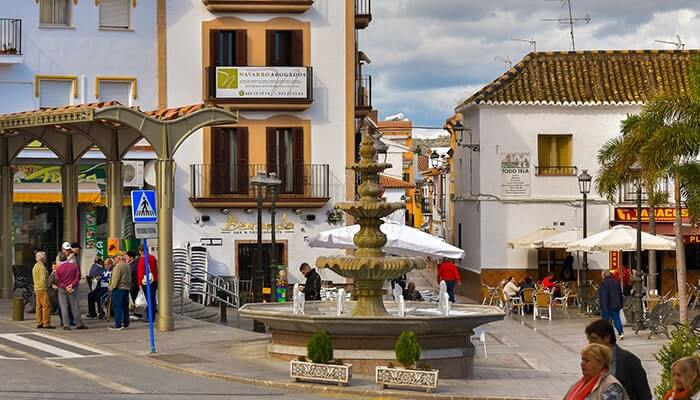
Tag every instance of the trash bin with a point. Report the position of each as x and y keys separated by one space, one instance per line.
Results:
x=17 y=308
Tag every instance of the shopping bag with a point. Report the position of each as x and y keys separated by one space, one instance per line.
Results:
x=623 y=319
x=140 y=300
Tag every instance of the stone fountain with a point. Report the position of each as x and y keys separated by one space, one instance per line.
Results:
x=364 y=333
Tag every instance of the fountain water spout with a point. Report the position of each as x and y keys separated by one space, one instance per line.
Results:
x=398 y=291
x=444 y=299
x=340 y=302
x=402 y=306
x=298 y=299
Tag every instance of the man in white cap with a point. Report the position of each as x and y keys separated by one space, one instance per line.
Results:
x=65 y=248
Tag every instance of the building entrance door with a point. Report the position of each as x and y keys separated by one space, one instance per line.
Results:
x=259 y=276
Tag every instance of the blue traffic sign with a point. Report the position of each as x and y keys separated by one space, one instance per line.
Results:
x=143 y=207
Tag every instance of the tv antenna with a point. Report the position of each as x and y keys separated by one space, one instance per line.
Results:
x=571 y=20
x=505 y=60
x=679 y=44
x=532 y=42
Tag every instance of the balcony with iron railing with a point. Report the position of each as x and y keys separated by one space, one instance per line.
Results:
x=259 y=6
x=363 y=13
x=260 y=88
x=11 y=41
x=229 y=185
x=559 y=170
x=363 y=96
x=628 y=191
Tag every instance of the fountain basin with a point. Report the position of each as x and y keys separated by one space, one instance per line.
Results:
x=367 y=342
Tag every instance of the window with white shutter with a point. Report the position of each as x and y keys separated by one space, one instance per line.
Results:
x=54 y=93
x=118 y=91
x=114 y=14
x=54 y=12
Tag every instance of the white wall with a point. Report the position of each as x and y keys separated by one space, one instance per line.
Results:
x=327 y=115
x=82 y=50
x=488 y=218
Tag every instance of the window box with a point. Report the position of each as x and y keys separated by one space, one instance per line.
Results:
x=259 y=6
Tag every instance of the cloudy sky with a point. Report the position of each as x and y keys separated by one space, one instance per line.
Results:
x=428 y=54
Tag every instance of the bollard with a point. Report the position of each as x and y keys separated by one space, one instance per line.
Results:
x=17 y=309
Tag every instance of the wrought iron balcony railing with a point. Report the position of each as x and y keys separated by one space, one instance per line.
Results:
x=10 y=36
x=363 y=13
x=556 y=171
x=363 y=92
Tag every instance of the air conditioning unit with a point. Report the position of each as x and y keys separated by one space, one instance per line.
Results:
x=132 y=173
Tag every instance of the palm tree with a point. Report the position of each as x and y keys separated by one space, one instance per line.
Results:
x=673 y=144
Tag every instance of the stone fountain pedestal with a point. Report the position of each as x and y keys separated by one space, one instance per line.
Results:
x=367 y=342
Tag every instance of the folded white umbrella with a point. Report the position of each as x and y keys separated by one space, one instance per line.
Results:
x=402 y=240
x=621 y=238
x=560 y=240
x=531 y=240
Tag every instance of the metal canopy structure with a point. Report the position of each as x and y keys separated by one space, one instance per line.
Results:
x=70 y=132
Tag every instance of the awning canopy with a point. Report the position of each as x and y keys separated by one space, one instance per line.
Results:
x=51 y=193
x=531 y=240
x=621 y=238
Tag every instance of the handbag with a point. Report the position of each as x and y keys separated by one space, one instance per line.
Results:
x=623 y=319
x=140 y=301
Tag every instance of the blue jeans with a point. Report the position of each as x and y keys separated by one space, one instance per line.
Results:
x=451 y=290
x=613 y=315
x=120 y=303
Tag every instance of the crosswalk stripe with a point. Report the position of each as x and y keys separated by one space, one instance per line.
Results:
x=71 y=343
x=60 y=353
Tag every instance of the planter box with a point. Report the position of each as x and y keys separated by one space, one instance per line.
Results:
x=424 y=379
x=334 y=373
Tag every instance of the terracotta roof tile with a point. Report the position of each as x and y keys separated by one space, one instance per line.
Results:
x=590 y=77
x=389 y=182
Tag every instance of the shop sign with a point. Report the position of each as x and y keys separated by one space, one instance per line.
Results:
x=236 y=226
x=101 y=247
x=691 y=239
x=261 y=82
x=614 y=259
x=90 y=228
x=515 y=174
x=211 y=242
x=662 y=214
x=52 y=174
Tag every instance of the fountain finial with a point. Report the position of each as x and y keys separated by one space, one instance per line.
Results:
x=369 y=267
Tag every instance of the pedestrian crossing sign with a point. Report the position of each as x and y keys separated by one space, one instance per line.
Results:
x=143 y=207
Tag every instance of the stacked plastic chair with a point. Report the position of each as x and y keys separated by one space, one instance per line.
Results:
x=181 y=262
x=200 y=266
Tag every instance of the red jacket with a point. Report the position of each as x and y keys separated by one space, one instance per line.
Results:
x=447 y=271
x=152 y=268
x=548 y=283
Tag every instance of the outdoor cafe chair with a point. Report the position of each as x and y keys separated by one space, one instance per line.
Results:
x=543 y=301
x=488 y=294
x=508 y=303
x=562 y=302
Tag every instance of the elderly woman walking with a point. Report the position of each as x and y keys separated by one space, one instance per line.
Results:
x=685 y=376
x=597 y=383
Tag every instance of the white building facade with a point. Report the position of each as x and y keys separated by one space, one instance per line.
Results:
x=538 y=126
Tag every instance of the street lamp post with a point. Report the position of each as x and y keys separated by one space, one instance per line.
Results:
x=584 y=186
x=637 y=281
x=258 y=183
x=272 y=187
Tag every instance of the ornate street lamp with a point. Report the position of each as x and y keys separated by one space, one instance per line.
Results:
x=434 y=159
x=636 y=170
x=273 y=184
x=584 y=186
x=459 y=130
x=259 y=185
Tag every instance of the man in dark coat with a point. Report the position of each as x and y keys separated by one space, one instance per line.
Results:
x=610 y=296
x=624 y=365
x=312 y=288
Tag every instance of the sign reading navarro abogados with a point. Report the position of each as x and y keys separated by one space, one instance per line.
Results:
x=662 y=214
x=261 y=82
x=515 y=174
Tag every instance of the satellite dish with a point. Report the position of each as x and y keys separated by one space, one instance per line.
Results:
x=149 y=173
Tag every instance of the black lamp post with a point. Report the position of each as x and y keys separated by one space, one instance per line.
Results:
x=584 y=186
x=273 y=184
x=434 y=159
x=637 y=281
x=459 y=130
x=258 y=183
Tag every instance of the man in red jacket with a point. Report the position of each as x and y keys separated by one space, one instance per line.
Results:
x=141 y=277
x=447 y=271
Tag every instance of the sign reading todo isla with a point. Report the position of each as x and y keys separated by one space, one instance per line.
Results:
x=234 y=225
x=262 y=82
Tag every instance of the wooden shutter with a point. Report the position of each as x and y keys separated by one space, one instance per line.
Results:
x=241 y=57
x=297 y=48
x=220 y=161
x=298 y=159
x=114 y=14
x=271 y=139
x=270 y=47
x=242 y=162
x=214 y=47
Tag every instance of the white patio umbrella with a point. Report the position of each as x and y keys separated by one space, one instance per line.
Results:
x=560 y=240
x=621 y=238
x=402 y=240
x=531 y=240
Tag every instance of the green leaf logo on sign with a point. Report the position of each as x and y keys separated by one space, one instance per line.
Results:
x=227 y=78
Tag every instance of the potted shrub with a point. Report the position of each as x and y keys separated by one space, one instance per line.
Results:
x=407 y=352
x=319 y=364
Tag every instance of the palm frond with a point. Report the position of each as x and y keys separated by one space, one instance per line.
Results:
x=694 y=78
x=689 y=177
